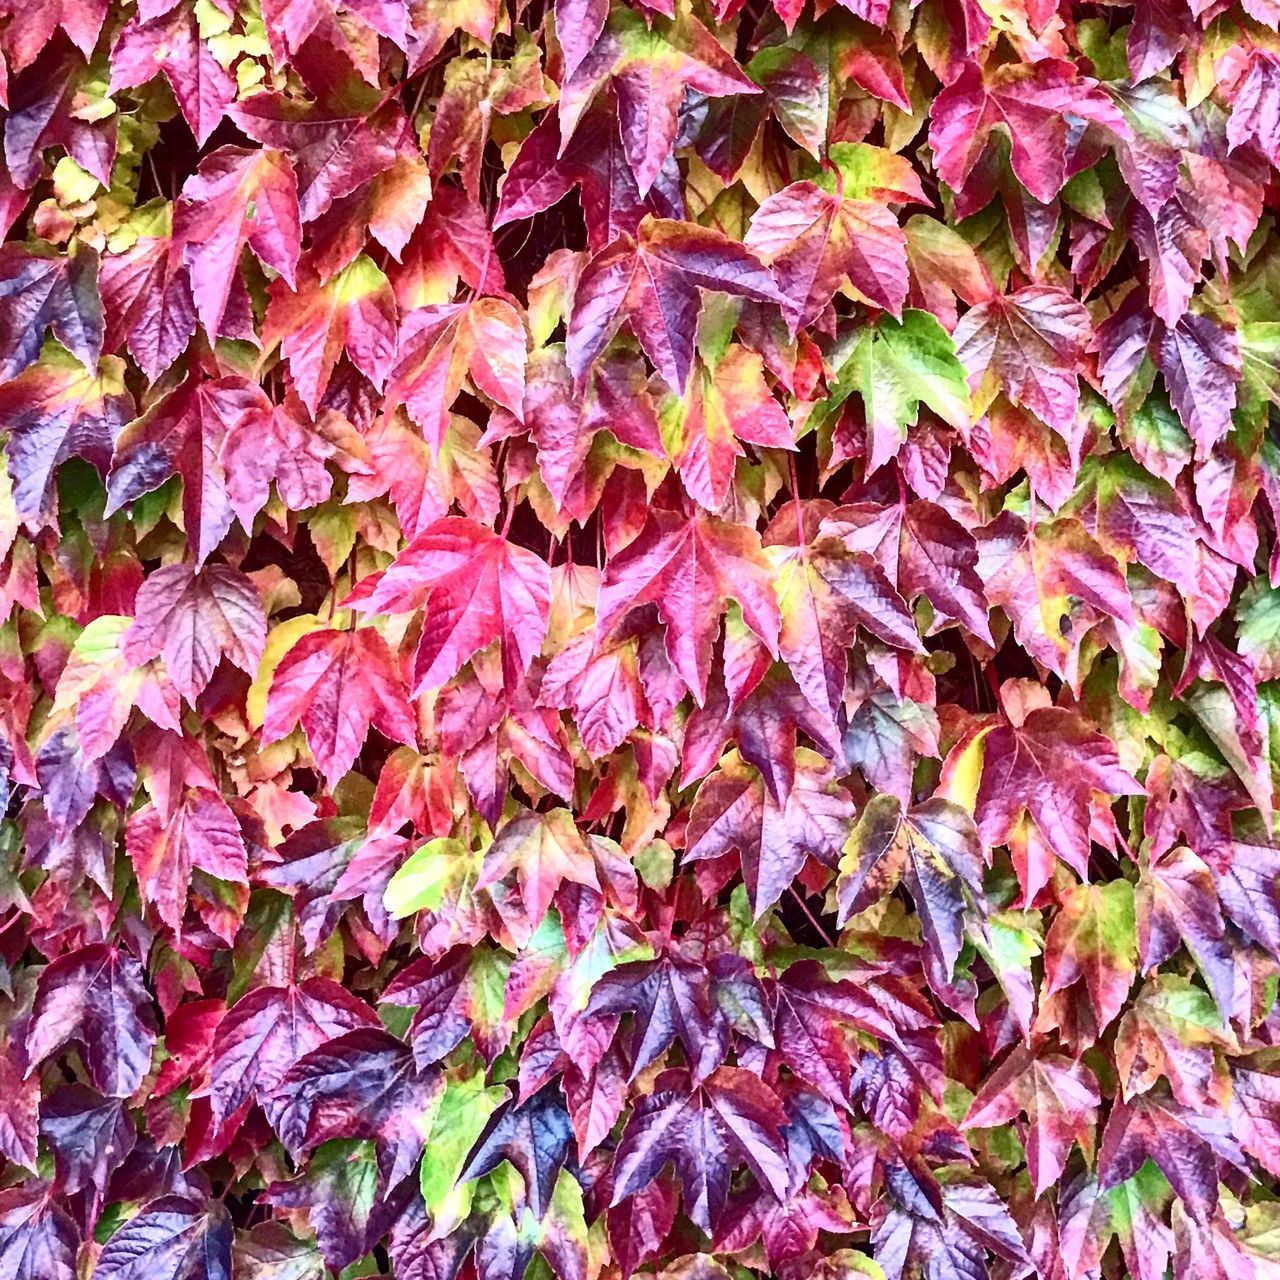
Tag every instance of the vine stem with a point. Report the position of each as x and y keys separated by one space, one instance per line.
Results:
x=795 y=498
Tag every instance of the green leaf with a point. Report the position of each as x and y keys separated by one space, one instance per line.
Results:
x=463 y=1113
x=420 y=884
x=896 y=366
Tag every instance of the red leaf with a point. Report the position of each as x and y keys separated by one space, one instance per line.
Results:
x=1032 y=101
x=337 y=684
x=183 y=434
x=171 y=45
x=200 y=833
x=815 y=240
x=1059 y=1098
x=354 y=312
x=269 y=1030
x=237 y=198
x=476 y=587
x=690 y=568
x=1029 y=345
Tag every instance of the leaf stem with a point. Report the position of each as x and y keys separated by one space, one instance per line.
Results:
x=813 y=920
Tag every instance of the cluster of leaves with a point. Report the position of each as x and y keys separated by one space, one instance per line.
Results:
x=639 y=638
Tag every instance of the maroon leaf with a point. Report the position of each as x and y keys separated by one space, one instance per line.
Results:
x=360 y=1085
x=269 y=1030
x=653 y=283
x=706 y=1131
x=95 y=998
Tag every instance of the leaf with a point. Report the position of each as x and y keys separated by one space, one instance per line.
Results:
x=147 y=303
x=896 y=366
x=1055 y=582
x=1029 y=345
x=69 y=780
x=1177 y=903
x=19 y=1113
x=423 y=488
x=291 y=24
x=289 y=449
x=534 y=1136
x=592 y=159
x=460 y=1118
x=81 y=20
x=1184 y=1146
x=45 y=111
x=735 y=810
x=200 y=833
x=1093 y=940
x=816 y=239
x=729 y=403
x=1200 y=360
x=459 y=994
x=951 y=1239
x=652 y=282
x=934 y=848
x=690 y=568
x=1032 y=101
x=38 y=1240
x=672 y=998
x=171 y=1239
x=269 y=1030
x=1060 y=1099
x=270 y=1252
x=1138 y=518
x=355 y=312
x=337 y=684
x=171 y=45
x=732 y=1118
x=361 y=1085
x=43 y=292
x=476 y=587
x=440 y=346
x=91 y=1137
x=183 y=434
x=545 y=850
x=1025 y=769
x=95 y=998
x=1172 y=1031
x=828 y=591
x=564 y=423
x=334 y=148
x=938 y=559
x=339 y=1194
x=651 y=67
x=53 y=411
x=815 y=1018
x=237 y=199
x=193 y=619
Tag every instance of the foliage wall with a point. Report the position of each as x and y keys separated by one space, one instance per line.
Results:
x=668 y=602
